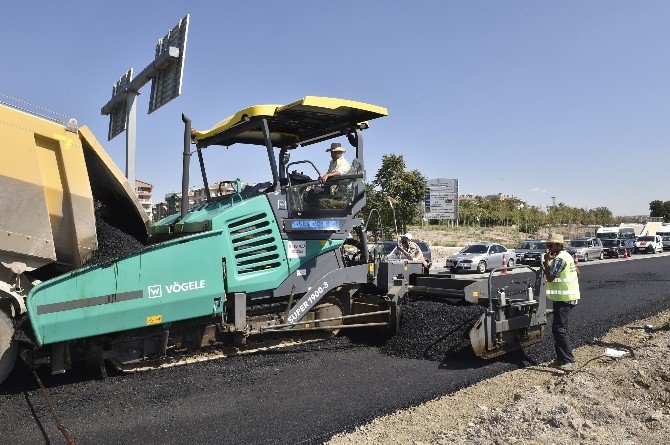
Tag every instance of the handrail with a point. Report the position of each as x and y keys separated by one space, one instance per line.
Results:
x=333 y=179
x=300 y=162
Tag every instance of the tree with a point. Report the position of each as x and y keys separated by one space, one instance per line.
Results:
x=656 y=208
x=395 y=189
x=660 y=209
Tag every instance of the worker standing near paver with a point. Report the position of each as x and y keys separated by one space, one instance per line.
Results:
x=563 y=290
x=410 y=249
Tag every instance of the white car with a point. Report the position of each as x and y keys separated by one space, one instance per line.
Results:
x=649 y=243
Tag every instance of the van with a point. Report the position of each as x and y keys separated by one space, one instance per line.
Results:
x=648 y=243
x=664 y=233
x=625 y=233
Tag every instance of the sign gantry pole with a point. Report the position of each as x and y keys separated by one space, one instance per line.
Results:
x=131 y=136
x=165 y=73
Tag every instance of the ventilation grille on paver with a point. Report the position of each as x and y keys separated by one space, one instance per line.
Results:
x=254 y=245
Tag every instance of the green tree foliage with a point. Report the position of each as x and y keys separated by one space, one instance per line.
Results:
x=394 y=188
x=660 y=209
x=482 y=211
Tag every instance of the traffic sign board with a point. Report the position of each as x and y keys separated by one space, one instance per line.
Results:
x=166 y=85
x=441 y=202
x=118 y=115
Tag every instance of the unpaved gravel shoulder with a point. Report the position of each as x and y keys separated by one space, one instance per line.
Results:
x=625 y=400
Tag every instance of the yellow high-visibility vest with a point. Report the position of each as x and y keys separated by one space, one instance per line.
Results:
x=565 y=286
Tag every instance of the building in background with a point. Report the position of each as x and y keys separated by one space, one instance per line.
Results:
x=215 y=190
x=160 y=211
x=143 y=190
x=196 y=197
x=501 y=196
x=172 y=204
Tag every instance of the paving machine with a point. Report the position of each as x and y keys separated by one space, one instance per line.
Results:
x=263 y=265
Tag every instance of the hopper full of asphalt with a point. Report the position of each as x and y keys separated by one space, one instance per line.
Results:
x=306 y=393
x=438 y=328
x=434 y=329
x=113 y=242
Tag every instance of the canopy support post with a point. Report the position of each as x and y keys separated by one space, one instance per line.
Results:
x=271 y=155
x=204 y=174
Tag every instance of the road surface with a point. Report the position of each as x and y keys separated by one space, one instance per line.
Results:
x=306 y=394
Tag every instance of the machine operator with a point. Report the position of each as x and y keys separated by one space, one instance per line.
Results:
x=338 y=164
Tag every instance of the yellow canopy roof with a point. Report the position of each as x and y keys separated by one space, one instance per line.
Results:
x=299 y=122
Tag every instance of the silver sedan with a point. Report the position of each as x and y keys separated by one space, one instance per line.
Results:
x=586 y=248
x=481 y=257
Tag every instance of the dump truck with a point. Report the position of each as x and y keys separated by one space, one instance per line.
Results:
x=266 y=265
x=52 y=175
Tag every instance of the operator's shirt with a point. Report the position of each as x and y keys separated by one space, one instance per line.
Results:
x=340 y=165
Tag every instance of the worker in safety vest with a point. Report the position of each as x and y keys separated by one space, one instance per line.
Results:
x=563 y=291
x=338 y=164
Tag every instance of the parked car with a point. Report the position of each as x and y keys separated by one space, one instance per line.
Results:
x=384 y=248
x=481 y=257
x=530 y=251
x=614 y=248
x=664 y=233
x=666 y=242
x=649 y=244
x=425 y=249
x=586 y=248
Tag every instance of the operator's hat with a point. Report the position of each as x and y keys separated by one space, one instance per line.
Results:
x=407 y=235
x=556 y=238
x=336 y=147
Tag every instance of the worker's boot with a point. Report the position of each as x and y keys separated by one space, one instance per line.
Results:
x=568 y=367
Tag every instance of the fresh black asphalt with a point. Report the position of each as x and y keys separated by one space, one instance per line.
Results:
x=306 y=394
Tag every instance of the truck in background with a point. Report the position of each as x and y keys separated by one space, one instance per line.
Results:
x=625 y=233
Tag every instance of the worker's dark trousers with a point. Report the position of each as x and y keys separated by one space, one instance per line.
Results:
x=559 y=327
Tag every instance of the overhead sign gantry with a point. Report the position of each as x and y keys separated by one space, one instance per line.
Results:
x=165 y=73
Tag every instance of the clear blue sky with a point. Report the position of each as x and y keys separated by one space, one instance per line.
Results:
x=531 y=98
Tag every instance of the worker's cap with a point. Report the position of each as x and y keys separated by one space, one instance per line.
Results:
x=555 y=238
x=407 y=235
x=336 y=147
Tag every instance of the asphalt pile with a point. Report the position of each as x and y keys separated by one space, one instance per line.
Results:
x=113 y=242
x=434 y=330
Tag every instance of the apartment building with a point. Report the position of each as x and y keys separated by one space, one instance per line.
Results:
x=143 y=190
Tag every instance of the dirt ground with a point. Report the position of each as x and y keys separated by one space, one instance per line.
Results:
x=462 y=236
x=624 y=401
x=508 y=236
x=445 y=241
